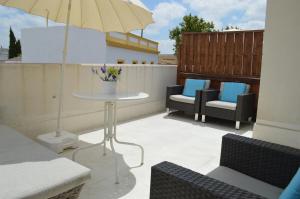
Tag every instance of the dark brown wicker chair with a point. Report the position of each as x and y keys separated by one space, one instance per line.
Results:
x=190 y=105
x=271 y=163
x=242 y=111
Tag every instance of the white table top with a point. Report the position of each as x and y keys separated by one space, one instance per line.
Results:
x=126 y=96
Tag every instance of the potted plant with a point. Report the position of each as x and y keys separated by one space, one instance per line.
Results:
x=109 y=75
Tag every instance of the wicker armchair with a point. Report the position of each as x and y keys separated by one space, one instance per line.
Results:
x=270 y=163
x=242 y=111
x=176 y=101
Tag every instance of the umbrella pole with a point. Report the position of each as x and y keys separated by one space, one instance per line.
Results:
x=62 y=72
x=60 y=140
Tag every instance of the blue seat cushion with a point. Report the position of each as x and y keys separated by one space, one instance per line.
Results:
x=292 y=191
x=231 y=90
x=192 y=85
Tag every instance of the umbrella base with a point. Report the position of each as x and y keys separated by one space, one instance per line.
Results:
x=59 y=144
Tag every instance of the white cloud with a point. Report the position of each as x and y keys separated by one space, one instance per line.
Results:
x=166 y=46
x=255 y=15
x=252 y=11
x=17 y=20
x=139 y=3
x=163 y=14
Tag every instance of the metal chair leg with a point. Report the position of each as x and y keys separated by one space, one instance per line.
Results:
x=203 y=118
x=196 y=116
x=167 y=110
x=237 y=125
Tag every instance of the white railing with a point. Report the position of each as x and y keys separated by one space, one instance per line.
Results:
x=131 y=41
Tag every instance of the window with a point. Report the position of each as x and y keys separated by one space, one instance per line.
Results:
x=120 y=61
x=134 y=62
x=144 y=62
x=152 y=62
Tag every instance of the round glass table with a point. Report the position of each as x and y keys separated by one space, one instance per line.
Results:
x=110 y=120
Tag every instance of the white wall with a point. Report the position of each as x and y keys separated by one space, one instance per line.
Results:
x=113 y=53
x=3 y=54
x=28 y=94
x=45 y=45
x=278 y=117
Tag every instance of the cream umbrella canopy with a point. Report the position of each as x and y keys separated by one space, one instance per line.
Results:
x=101 y=15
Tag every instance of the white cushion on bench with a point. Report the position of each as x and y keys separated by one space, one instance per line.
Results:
x=182 y=98
x=221 y=104
x=245 y=182
x=29 y=170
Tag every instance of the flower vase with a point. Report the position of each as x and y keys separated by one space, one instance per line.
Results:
x=109 y=87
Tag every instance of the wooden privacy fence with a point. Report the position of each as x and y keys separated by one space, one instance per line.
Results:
x=221 y=56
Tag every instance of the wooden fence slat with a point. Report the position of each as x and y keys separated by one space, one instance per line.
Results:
x=229 y=49
x=238 y=53
x=248 y=54
x=257 y=53
x=221 y=54
x=204 y=54
x=197 y=52
x=190 y=54
x=212 y=53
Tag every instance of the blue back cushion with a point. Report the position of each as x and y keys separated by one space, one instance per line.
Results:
x=231 y=90
x=292 y=191
x=191 y=85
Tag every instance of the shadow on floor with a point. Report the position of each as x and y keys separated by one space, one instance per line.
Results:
x=102 y=183
x=224 y=125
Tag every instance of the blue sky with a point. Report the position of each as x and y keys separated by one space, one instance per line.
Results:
x=246 y=14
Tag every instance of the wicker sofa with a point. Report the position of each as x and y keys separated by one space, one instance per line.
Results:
x=176 y=101
x=29 y=170
x=249 y=168
x=242 y=111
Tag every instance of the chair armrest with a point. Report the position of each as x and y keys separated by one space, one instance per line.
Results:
x=208 y=95
x=173 y=90
x=170 y=181
x=245 y=107
x=271 y=163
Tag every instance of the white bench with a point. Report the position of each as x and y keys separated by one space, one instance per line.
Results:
x=29 y=170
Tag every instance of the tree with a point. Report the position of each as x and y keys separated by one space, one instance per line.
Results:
x=230 y=28
x=12 y=51
x=15 y=48
x=18 y=47
x=189 y=24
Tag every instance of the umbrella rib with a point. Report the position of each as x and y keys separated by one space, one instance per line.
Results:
x=100 y=16
x=117 y=15
x=135 y=15
x=58 y=10
x=34 y=4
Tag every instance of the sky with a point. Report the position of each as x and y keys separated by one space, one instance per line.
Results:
x=167 y=14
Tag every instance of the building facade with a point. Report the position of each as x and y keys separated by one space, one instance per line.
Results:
x=45 y=45
x=168 y=59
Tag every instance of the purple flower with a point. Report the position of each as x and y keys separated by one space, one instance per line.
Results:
x=120 y=70
x=103 y=69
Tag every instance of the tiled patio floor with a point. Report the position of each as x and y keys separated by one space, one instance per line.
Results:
x=175 y=138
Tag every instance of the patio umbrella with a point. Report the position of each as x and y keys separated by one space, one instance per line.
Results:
x=101 y=15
